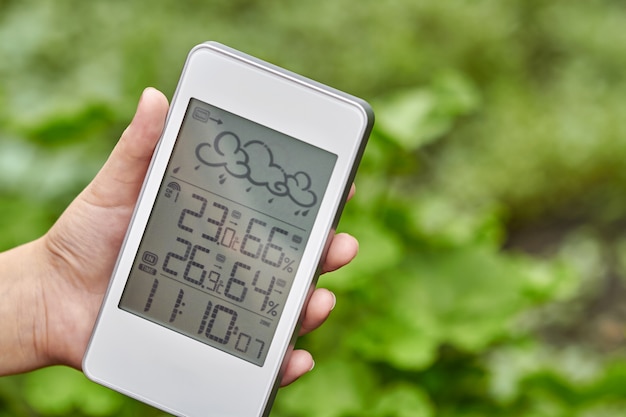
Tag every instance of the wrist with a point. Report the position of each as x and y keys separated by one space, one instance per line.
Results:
x=69 y=303
x=23 y=340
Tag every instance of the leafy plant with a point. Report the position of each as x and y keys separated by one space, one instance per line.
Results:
x=490 y=210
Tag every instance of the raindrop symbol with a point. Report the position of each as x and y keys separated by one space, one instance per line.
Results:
x=197 y=167
x=271 y=200
x=297 y=212
x=176 y=170
x=222 y=179
x=248 y=189
x=305 y=213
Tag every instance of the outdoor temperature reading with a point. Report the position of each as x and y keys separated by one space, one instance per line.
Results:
x=227 y=231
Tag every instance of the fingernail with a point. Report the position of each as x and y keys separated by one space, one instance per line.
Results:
x=312 y=366
x=334 y=300
x=143 y=93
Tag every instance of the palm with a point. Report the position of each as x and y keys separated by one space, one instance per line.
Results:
x=84 y=243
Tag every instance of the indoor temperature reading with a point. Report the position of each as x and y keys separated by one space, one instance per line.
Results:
x=227 y=231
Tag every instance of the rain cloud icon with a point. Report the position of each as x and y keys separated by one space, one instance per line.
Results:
x=254 y=161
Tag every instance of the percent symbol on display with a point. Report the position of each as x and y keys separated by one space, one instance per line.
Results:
x=273 y=307
x=289 y=268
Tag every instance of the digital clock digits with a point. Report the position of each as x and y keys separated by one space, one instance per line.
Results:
x=227 y=231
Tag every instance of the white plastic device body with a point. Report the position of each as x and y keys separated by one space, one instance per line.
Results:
x=225 y=369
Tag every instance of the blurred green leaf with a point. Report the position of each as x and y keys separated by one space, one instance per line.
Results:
x=62 y=129
x=413 y=118
x=60 y=391
x=403 y=400
x=379 y=250
x=352 y=384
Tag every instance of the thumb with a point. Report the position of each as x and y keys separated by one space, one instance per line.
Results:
x=119 y=180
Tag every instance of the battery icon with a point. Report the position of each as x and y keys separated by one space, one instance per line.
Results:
x=201 y=114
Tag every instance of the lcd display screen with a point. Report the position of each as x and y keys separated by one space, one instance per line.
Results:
x=227 y=231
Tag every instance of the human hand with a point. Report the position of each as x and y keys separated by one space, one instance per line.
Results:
x=76 y=257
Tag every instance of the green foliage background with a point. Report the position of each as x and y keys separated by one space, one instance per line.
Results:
x=492 y=197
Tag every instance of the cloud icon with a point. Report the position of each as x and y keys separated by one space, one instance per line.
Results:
x=263 y=170
x=299 y=186
x=226 y=152
x=255 y=162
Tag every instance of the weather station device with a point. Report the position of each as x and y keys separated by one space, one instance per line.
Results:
x=243 y=193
